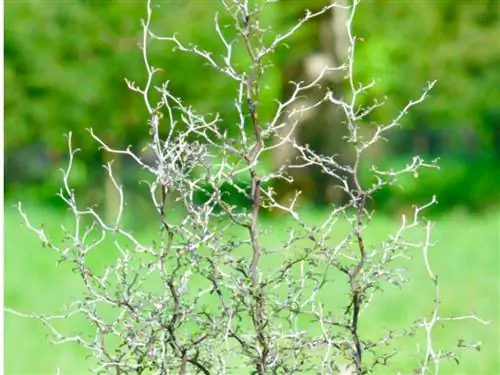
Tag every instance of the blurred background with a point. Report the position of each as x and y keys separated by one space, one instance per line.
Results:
x=65 y=64
x=65 y=67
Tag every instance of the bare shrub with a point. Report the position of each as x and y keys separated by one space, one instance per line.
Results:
x=217 y=292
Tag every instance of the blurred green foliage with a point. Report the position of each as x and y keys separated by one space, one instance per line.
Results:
x=65 y=66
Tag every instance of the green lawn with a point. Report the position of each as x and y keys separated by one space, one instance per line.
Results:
x=466 y=259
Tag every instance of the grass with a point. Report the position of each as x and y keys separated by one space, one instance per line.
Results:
x=466 y=259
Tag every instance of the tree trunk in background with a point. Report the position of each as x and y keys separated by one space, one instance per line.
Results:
x=321 y=128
